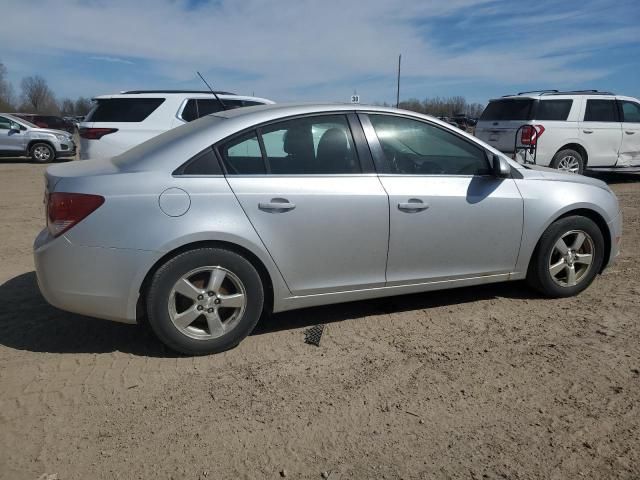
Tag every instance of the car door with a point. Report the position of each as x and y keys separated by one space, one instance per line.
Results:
x=313 y=198
x=629 y=155
x=601 y=131
x=449 y=217
x=11 y=140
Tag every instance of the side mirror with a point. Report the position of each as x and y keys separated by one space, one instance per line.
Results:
x=14 y=127
x=500 y=166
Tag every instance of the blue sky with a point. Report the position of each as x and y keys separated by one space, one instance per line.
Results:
x=324 y=50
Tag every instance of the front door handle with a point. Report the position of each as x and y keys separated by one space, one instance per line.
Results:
x=587 y=131
x=629 y=132
x=413 y=205
x=277 y=205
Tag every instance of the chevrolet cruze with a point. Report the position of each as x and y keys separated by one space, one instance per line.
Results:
x=204 y=228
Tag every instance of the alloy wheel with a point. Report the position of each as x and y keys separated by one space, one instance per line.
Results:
x=571 y=258
x=42 y=153
x=207 y=302
x=569 y=163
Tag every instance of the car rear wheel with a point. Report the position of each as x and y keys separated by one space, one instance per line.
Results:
x=568 y=161
x=567 y=258
x=205 y=301
x=42 y=153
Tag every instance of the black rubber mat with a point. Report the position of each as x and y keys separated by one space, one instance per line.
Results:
x=313 y=335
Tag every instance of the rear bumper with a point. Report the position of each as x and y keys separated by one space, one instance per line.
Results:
x=94 y=281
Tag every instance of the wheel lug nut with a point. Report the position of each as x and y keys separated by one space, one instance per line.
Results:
x=217 y=301
x=200 y=297
x=210 y=310
x=210 y=294
x=200 y=307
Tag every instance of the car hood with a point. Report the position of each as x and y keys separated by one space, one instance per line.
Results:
x=50 y=131
x=534 y=172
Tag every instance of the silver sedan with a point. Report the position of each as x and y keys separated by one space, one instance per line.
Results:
x=204 y=228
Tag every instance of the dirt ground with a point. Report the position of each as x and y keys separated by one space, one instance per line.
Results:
x=477 y=383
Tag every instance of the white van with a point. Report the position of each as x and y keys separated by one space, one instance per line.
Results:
x=570 y=131
x=118 y=122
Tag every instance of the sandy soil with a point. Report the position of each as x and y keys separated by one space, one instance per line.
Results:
x=491 y=382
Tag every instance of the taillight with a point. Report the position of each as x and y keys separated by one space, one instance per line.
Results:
x=96 y=133
x=64 y=210
x=530 y=134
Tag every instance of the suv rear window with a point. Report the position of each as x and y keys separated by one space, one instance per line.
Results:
x=508 y=109
x=123 y=109
x=553 y=109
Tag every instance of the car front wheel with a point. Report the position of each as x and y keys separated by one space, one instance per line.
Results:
x=42 y=153
x=205 y=301
x=567 y=258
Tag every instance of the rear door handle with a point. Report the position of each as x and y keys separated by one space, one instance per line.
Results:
x=629 y=132
x=277 y=205
x=413 y=205
x=587 y=131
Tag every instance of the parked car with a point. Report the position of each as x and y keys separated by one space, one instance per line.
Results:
x=47 y=121
x=271 y=208
x=571 y=131
x=118 y=122
x=20 y=138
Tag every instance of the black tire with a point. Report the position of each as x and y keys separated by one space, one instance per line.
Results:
x=539 y=275
x=568 y=156
x=41 y=152
x=166 y=277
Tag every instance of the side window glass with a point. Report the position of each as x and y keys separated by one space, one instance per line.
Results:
x=242 y=156
x=190 y=111
x=5 y=124
x=553 y=109
x=601 y=111
x=414 y=147
x=313 y=145
x=207 y=106
x=631 y=112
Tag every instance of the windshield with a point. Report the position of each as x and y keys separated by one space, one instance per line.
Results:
x=508 y=109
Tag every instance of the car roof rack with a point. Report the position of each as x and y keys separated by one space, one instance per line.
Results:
x=175 y=91
x=558 y=92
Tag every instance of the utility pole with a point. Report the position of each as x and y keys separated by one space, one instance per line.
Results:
x=398 y=89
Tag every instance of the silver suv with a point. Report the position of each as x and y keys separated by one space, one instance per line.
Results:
x=20 y=138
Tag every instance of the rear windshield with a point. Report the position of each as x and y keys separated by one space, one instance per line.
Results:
x=508 y=109
x=123 y=109
x=553 y=109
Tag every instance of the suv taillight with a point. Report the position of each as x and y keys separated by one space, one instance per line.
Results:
x=530 y=134
x=64 y=210
x=96 y=133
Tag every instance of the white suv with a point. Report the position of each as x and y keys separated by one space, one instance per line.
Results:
x=569 y=131
x=118 y=122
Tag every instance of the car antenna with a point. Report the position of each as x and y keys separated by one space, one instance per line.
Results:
x=224 y=107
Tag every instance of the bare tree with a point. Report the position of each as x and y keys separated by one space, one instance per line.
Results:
x=67 y=107
x=82 y=106
x=37 y=96
x=443 y=106
x=7 y=98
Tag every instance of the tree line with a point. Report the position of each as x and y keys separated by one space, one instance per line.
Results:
x=36 y=97
x=443 y=106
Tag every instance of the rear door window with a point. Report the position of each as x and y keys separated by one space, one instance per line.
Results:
x=601 y=111
x=508 y=109
x=242 y=155
x=123 y=109
x=553 y=109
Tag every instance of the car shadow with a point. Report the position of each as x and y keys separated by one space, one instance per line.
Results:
x=29 y=323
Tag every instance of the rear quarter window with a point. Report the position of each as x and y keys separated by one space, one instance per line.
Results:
x=123 y=109
x=506 y=110
x=553 y=109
